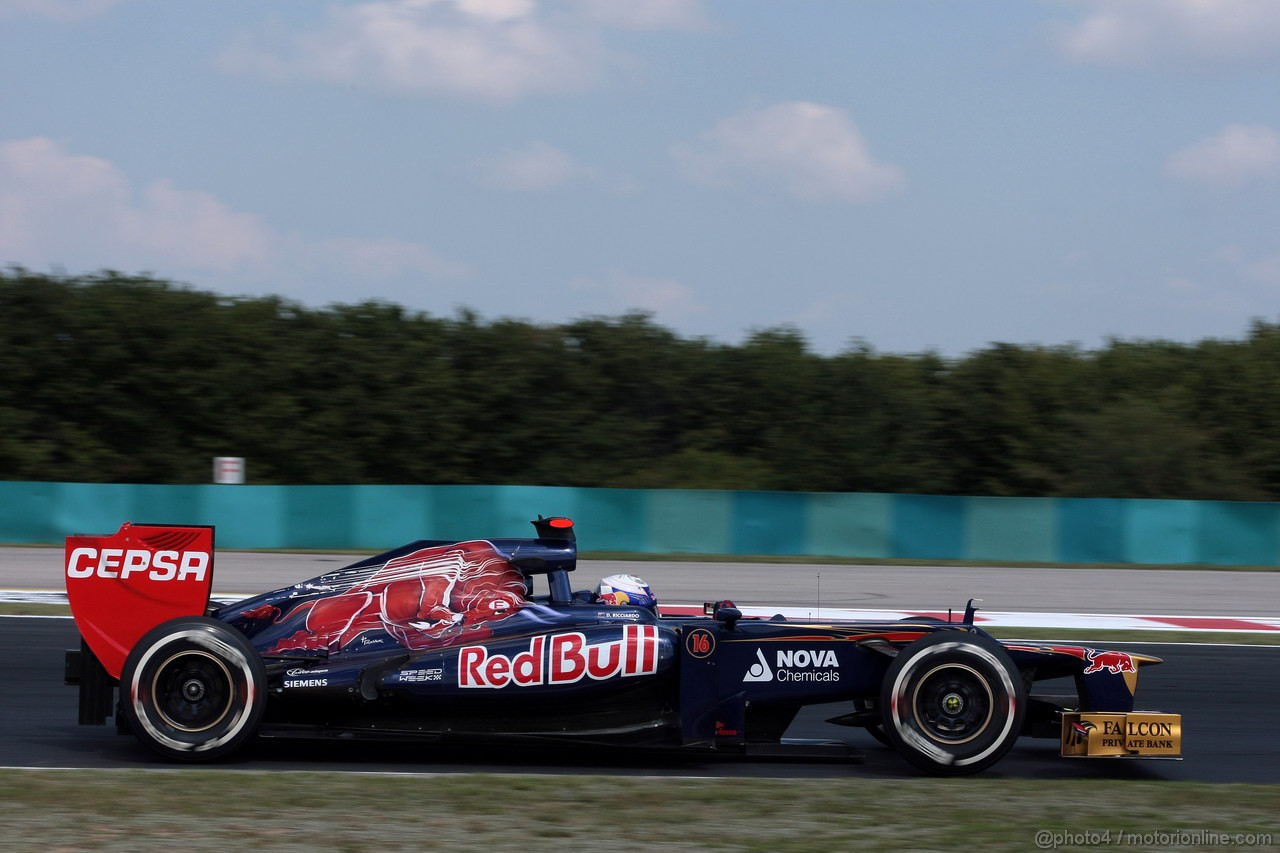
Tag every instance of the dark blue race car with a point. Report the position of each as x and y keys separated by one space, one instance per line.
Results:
x=487 y=639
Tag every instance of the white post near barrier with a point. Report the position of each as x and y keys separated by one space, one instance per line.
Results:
x=228 y=470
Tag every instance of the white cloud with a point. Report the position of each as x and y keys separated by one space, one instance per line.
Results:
x=487 y=49
x=492 y=50
x=192 y=228
x=1147 y=32
x=646 y=14
x=72 y=206
x=830 y=310
x=667 y=299
x=537 y=166
x=380 y=258
x=59 y=208
x=1234 y=156
x=57 y=10
x=496 y=11
x=808 y=150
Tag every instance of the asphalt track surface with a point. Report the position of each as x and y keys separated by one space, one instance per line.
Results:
x=1226 y=694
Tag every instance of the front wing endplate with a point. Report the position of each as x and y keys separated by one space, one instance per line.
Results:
x=1136 y=734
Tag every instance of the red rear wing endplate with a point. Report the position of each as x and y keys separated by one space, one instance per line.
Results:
x=123 y=585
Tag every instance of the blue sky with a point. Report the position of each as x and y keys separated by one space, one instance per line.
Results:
x=913 y=175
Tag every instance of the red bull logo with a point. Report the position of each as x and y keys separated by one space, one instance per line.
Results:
x=1113 y=662
x=568 y=659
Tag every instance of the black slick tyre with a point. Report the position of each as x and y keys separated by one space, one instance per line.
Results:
x=952 y=703
x=193 y=689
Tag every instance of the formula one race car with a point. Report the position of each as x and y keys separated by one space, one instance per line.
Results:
x=486 y=639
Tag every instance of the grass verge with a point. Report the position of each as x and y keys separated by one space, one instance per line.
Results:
x=21 y=608
x=197 y=810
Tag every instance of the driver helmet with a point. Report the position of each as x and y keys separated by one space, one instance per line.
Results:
x=626 y=589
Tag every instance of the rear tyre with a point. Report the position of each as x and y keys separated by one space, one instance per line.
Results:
x=952 y=703
x=194 y=689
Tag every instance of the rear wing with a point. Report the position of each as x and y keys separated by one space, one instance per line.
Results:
x=123 y=585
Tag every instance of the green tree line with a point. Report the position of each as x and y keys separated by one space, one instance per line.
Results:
x=119 y=378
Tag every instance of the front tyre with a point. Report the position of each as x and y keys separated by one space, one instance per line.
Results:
x=193 y=689
x=953 y=703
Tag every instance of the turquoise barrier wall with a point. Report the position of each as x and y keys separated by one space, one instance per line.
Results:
x=924 y=527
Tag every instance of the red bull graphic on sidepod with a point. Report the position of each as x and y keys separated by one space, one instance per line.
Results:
x=431 y=598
